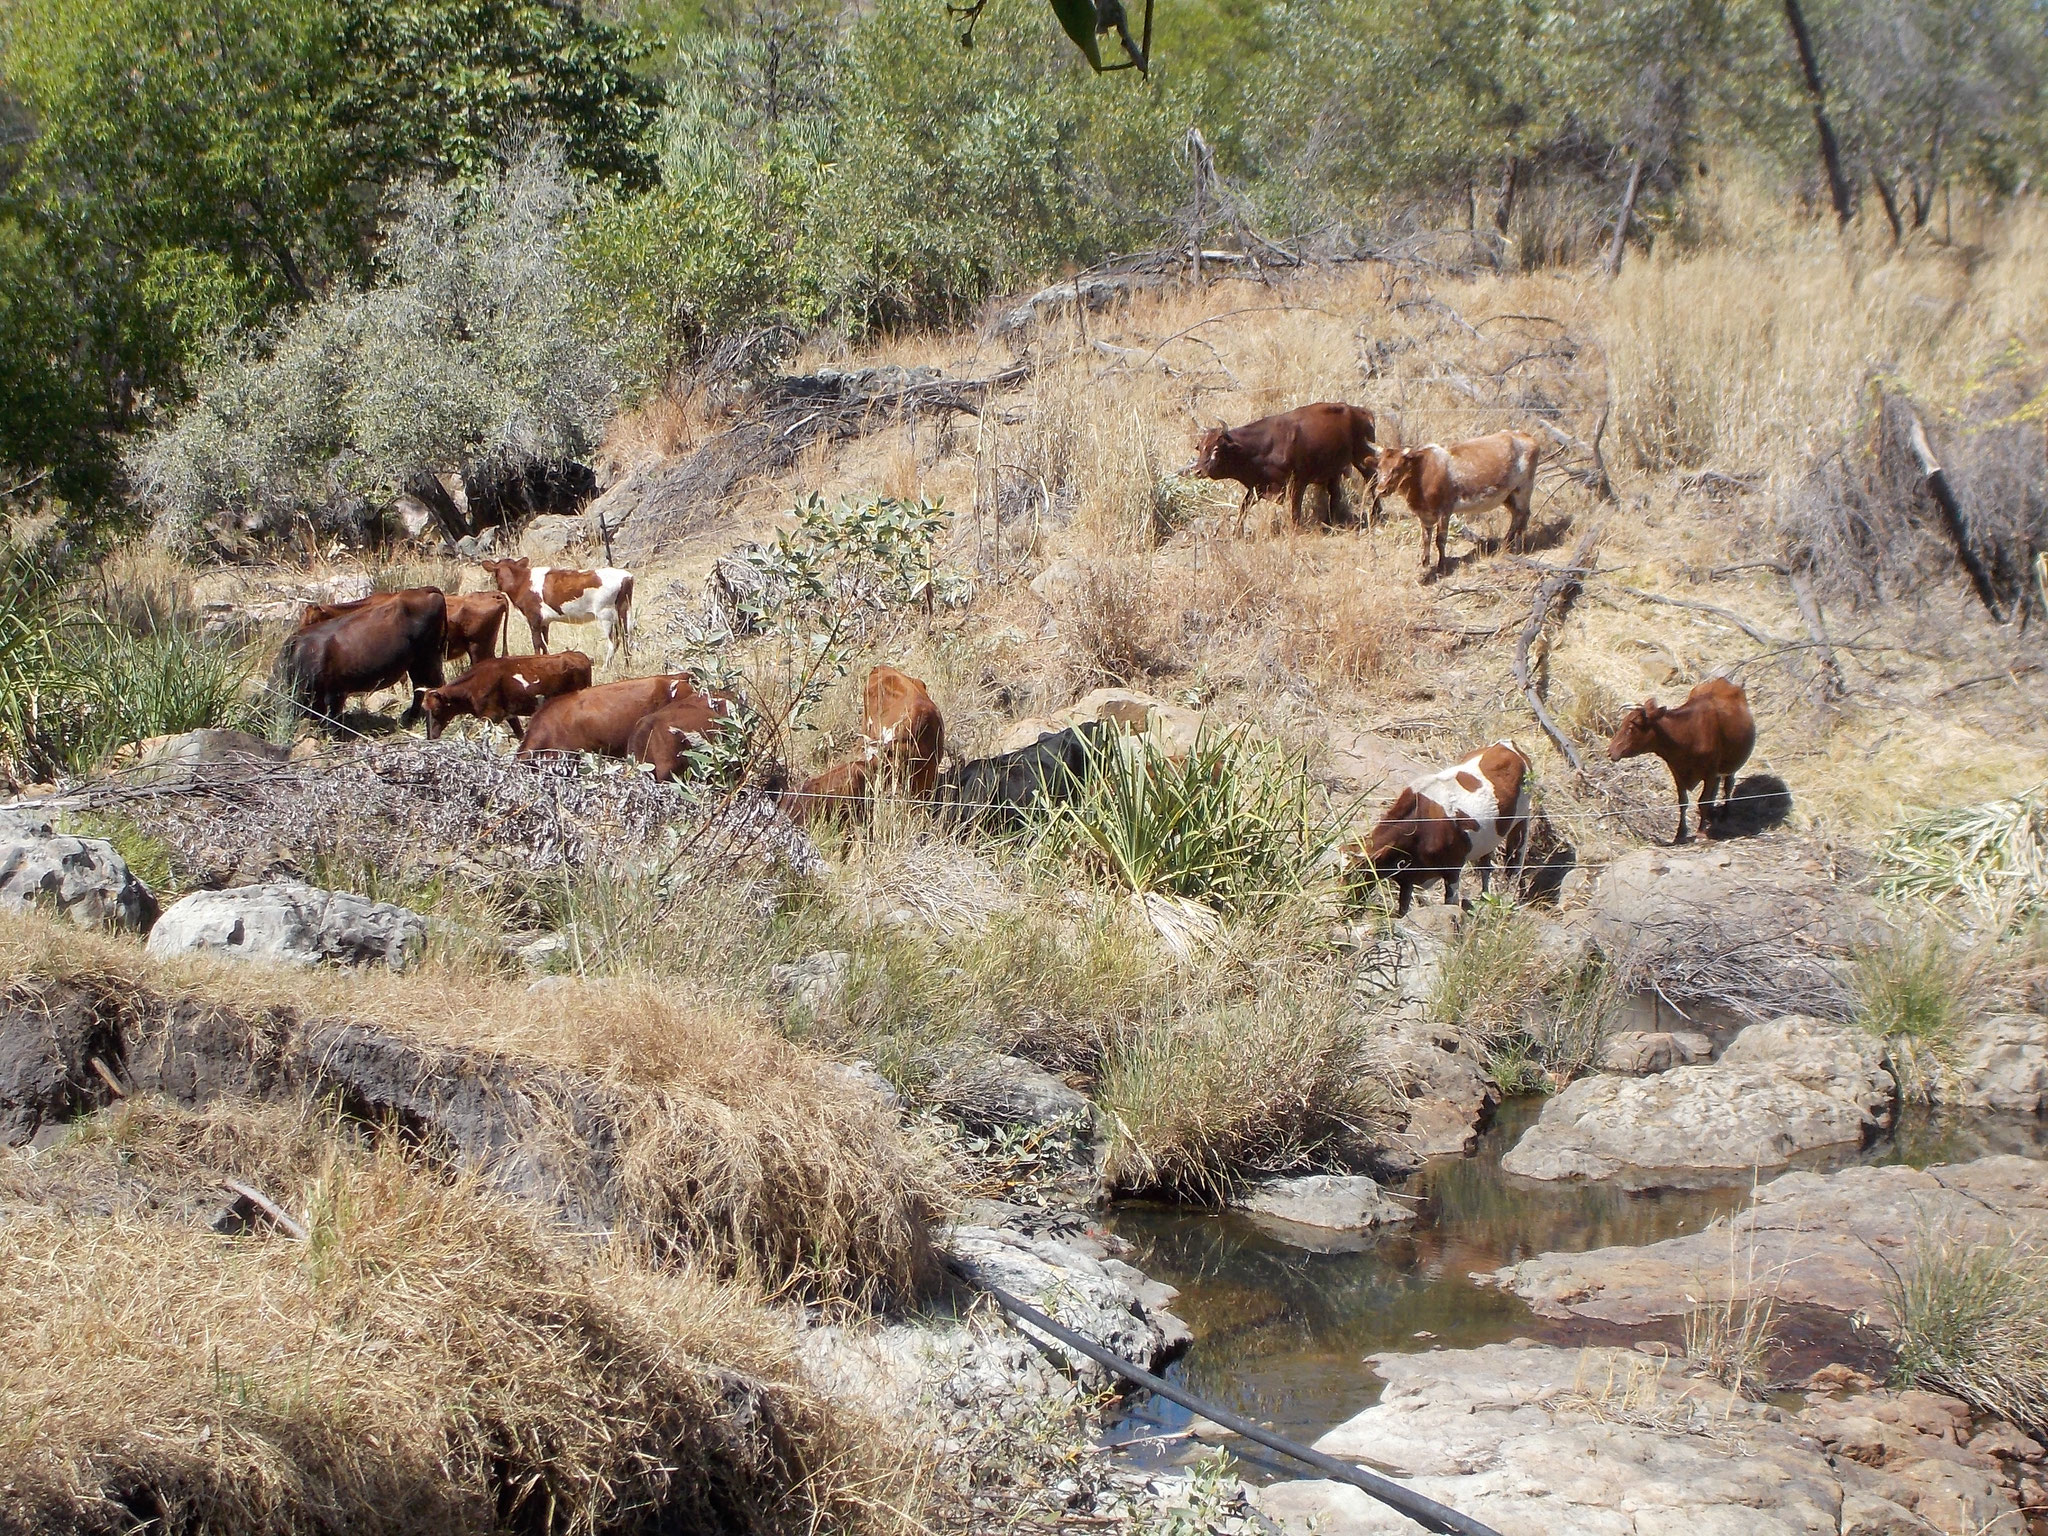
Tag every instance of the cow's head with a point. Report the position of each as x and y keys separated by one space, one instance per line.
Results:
x=1396 y=471
x=439 y=709
x=1637 y=734
x=512 y=576
x=1217 y=453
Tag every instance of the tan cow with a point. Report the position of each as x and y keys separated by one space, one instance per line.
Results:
x=1477 y=475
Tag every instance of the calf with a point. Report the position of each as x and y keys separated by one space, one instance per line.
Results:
x=547 y=594
x=365 y=647
x=601 y=719
x=902 y=731
x=1476 y=475
x=995 y=792
x=500 y=689
x=1455 y=817
x=1313 y=445
x=1703 y=742
x=663 y=738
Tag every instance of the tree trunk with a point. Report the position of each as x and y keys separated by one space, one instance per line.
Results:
x=1628 y=212
x=427 y=489
x=1890 y=200
x=1830 y=150
x=1504 y=203
x=1952 y=514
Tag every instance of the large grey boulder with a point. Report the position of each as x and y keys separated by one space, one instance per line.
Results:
x=292 y=923
x=2005 y=1065
x=1780 y=1089
x=80 y=878
x=1007 y=1093
x=1074 y=1286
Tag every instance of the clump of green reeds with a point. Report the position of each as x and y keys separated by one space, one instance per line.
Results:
x=1971 y=1319
x=1992 y=857
x=1918 y=995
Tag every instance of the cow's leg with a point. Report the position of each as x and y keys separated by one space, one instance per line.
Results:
x=1684 y=789
x=539 y=627
x=1451 y=887
x=1243 y=507
x=1518 y=515
x=1405 y=884
x=518 y=730
x=611 y=638
x=1426 y=535
x=1340 y=509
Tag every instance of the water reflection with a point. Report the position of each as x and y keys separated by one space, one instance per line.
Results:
x=1280 y=1334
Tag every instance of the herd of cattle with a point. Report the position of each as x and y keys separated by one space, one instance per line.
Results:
x=1438 y=825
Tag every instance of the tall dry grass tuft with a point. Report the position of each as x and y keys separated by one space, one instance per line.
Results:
x=1972 y=1320
x=1108 y=623
x=1199 y=1101
x=429 y=1360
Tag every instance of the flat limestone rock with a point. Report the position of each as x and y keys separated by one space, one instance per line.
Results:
x=1309 y=1211
x=1780 y=1089
x=293 y=924
x=1071 y=1286
x=1540 y=1442
x=2005 y=1065
x=1643 y=1052
x=1821 y=1240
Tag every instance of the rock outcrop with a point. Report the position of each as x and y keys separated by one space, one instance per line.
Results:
x=2004 y=1065
x=1009 y=1093
x=1643 y=1052
x=83 y=879
x=291 y=923
x=1536 y=1441
x=1323 y=1212
x=1821 y=1240
x=1790 y=1086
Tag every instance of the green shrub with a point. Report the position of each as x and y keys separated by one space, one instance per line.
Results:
x=1237 y=823
x=1916 y=995
x=1971 y=1319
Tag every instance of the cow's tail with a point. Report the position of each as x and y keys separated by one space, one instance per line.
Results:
x=626 y=614
x=501 y=644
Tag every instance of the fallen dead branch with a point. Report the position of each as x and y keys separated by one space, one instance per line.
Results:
x=1554 y=589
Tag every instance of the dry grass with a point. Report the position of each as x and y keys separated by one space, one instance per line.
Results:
x=431 y=1360
x=1973 y=1321
x=739 y=1149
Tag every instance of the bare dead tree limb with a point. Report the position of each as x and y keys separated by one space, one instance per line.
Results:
x=1622 y=220
x=1952 y=514
x=1827 y=684
x=1555 y=588
x=268 y=1207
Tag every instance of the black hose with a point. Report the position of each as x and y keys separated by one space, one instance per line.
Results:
x=1426 y=1512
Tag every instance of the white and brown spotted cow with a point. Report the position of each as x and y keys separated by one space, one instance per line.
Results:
x=1457 y=816
x=554 y=594
x=1476 y=475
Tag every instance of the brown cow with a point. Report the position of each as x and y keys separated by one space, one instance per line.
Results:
x=601 y=719
x=840 y=793
x=902 y=731
x=500 y=689
x=663 y=738
x=1458 y=816
x=547 y=595
x=475 y=622
x=1703 y=742
x=368 y=646
x=1312 y=445
x=1476 y=475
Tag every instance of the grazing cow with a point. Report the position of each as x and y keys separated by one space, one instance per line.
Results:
x=1476 y=475
x=547 y=594
x=1703 y=742
x=994 y=792
x=902 y=731
x=365 y=647
x=1459 y=816
x=1312 y=445
x=601 y=719
x=662 y=739
x=500 y=689
x=840 y=793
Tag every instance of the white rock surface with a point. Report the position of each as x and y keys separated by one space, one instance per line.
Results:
x=80 y=878
x=1781 y=1088
x=1328 y=1202
x=291 y=923
x=1071 y=1286
x=1641 y=1052
x=2005 y=1065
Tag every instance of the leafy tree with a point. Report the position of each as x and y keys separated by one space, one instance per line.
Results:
x=466 y=359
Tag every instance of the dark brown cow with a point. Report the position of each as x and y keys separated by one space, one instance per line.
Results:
x=1313 y=445
x=475 y=622
x=366 y=647
x=500 y=689
x=1476 y=475
x=663 y=739
x=601 y=719
x=547 y=595
x=903 y=732
x=1703 y=742
x=1458 y=816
